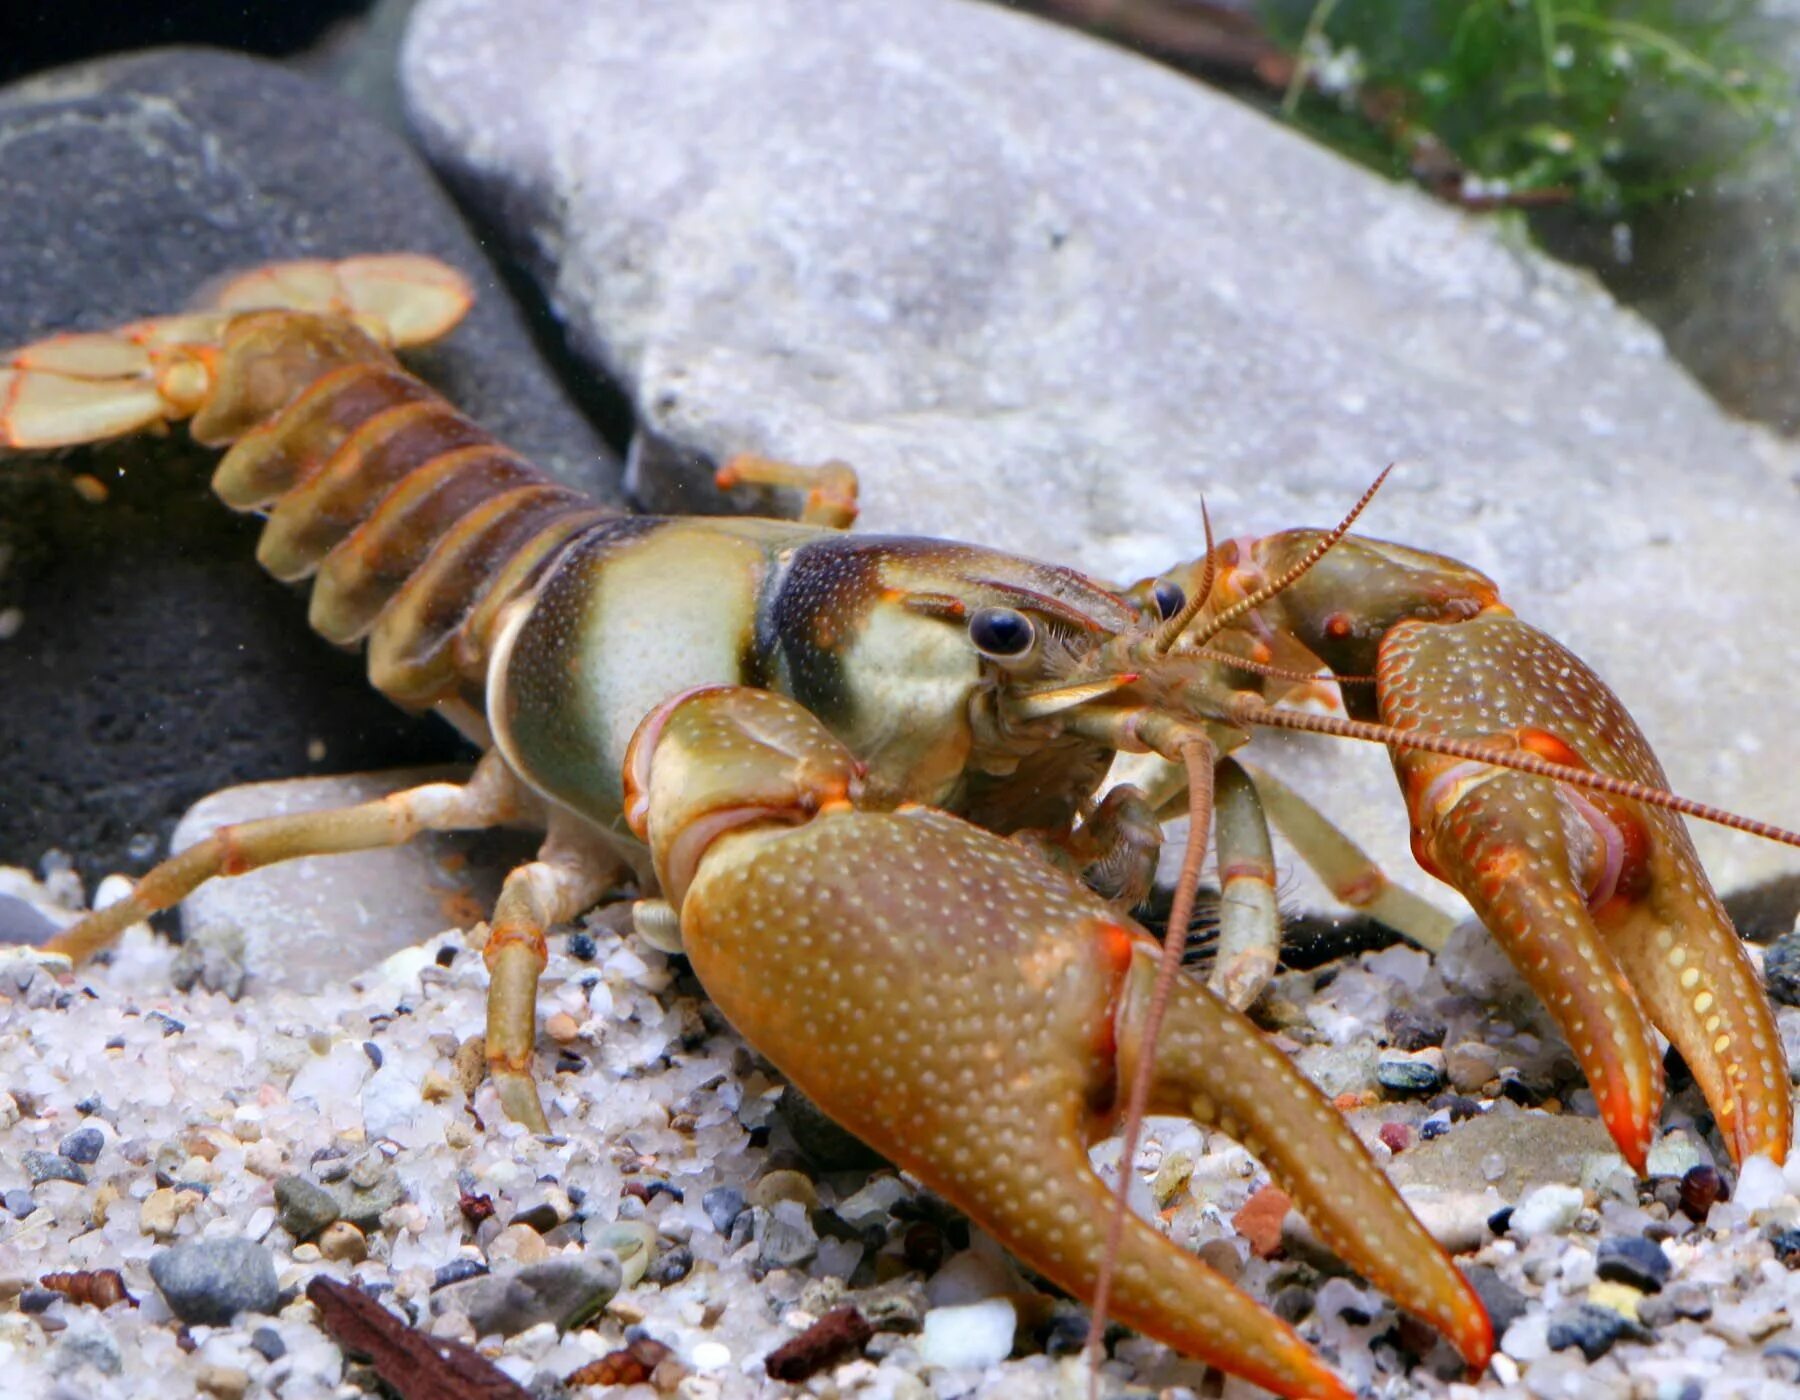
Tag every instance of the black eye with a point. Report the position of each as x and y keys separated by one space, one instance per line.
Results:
x=1001 y=631
x=1168 y=597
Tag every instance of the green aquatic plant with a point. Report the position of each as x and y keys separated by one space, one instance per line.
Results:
x=1599 y=103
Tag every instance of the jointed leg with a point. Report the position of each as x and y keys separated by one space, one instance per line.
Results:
x=491 y=797
x=830 y=487
x=571 y=872
x=1249 y=921
x=1348 y=872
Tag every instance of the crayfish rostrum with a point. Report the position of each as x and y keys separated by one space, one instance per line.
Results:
x=867 y=778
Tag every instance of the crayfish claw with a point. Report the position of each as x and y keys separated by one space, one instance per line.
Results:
x=982 y=1011
x=1599 y=900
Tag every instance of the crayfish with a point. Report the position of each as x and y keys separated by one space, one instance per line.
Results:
x=866 y=777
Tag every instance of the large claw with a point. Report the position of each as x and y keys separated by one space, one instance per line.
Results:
x=972 y=1014
x=1601 y=902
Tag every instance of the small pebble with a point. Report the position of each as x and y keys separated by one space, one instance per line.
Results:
x=1259 y=1220
x=212 y=1281
x=1412 y=1075
x=785 y=1236
x=225 y=1382
x=52 y=1166
x=303 y=1207
x=82 y=1146
x=1679 y=1301
x=544 y=1212
x=969 y=1334
x=565 y=1292
x=1410 y=1029
x=343 y=1243
x=784 y=1186
x=1633 y=1260
x=670 y=1267
x=1760 y=1184
x=1781 y=968
x=563 y=1027
x=1701 y=1189
x=457 y=1271
x=1549 y=1210
x=19 y=1202
x=723 y=1205
x=266 y=1342
x=1396 y=1137
x=1505 y=1304
x=37 y=1300
x=1592 y=1328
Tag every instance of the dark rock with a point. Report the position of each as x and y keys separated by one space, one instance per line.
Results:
x=1677 y=1302
x=827 y=1146
x=785 y=1237
x=212 y=1281
x=670 y=1267
x=52 y=1166
x=1592 y=1328
x=457 y=1271
x=723 y=1205
x=37 y=1300
x=582 y=947
x=149 y=634
x=1633 y=1260
x=1505 y=1304
x=83 y=1146
x=372 y=1186
x=1294 y=1304
x=18 y=1202
x=1404 y=1074
x=566 y=1290
x=1410 y=1029
x=266 y=1342
x=40 y=35
x=1781 y=968
x=1785 y=1241
x=20 y=922
x=1701 y=1188
x=304 y=1208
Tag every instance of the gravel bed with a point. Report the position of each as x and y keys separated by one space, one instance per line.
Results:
x=220 y=1154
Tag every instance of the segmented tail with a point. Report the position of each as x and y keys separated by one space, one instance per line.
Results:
x=415 y=524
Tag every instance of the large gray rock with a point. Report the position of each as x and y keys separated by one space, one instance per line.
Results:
x=1044 y=294
x=146 y=660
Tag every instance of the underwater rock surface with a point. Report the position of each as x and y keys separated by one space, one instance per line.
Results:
x=1043 y=294
x=151 y=661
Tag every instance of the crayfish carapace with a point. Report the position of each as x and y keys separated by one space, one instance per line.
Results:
x=868 y=775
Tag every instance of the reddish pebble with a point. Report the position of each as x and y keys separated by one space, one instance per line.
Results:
x=1260 y=1220
x=1700 y=1188
x=563 y=1027
x=1396 y=1137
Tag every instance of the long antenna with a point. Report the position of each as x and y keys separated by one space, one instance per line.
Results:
x=1250 y=708
x=1198 y=756
x=1293 y=575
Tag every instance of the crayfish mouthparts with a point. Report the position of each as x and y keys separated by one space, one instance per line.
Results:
x=983 y=1012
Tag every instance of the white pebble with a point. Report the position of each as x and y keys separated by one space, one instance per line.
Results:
x=112 y=889
x=1528 y=1339
x=972 y=1334
x=1760 y=1184
x=390 y=1100
x=710 y=1356
x=1549 y=1210
x=332 y=1078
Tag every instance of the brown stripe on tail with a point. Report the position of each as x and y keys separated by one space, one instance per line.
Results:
x=415 y=523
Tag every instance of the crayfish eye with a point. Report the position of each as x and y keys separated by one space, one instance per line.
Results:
x=1001 y=632
x=1168 y=597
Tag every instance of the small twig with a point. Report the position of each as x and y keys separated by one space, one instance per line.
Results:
x=417 y=1366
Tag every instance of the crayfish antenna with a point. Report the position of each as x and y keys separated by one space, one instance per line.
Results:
x=1269 y=590
x=1198 y=755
